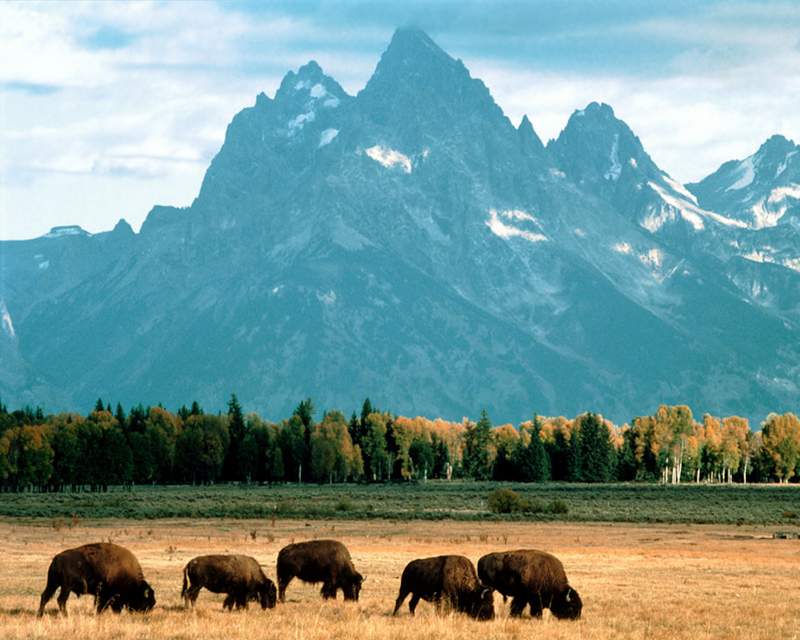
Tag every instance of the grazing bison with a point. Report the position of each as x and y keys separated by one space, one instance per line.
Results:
x=240 y=577
x=446 y=580
x=107 y=571
x=325 y=561
x=531 y=577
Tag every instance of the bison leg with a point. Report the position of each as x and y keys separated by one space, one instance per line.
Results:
x=48 y=592
x=412 y=604
x=103 y=599
x=241 y=601
x=537 y=606
x=283 y=582
x=400 y=598
x=328 y=591
x=228 y=604
x=518 y=604
x=190 y=596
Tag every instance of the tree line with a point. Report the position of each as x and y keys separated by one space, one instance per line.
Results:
x=108 y=447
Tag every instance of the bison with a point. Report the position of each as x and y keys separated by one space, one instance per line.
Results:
x=240 y=577
x=531 y=577
x=446 y=580
x=325 y=561
x=107 y=571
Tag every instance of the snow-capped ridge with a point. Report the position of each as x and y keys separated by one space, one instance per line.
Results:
x=67 y=230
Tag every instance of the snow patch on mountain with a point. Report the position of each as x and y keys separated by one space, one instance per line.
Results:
x=389 y=157
x=505 y=231
x=328 y=299
x=675 y=205
x=782 y=166
x=616 y=168
x=72 y=230
x=782 y=193
x=296 y=124
x=746 y=174
x=327 y=136
x=653 y=258
x=5 y=321
x=623 y=247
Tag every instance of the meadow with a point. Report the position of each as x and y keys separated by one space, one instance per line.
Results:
x=695 y=562
x=637 y=581
x=765 y=504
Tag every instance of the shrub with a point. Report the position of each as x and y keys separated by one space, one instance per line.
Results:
x=503 y=501
x=558 y=508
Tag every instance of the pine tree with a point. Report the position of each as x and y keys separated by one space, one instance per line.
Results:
x=530 y=460
x=477 y=454
x=237 y=430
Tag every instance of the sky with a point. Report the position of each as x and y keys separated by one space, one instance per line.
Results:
x=110 y=108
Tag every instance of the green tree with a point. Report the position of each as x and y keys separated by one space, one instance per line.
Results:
x=237 y=430
x=374 y=448
x=200 y=448
x=294 y=447
x=477 y=448
x=421 y=454
x=594 y=453
x=530 y=460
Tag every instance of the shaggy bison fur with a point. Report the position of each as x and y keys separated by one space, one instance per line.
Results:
x=531 y=577
x=240 y=577
x=447 y=581
x=107 y=571
x=325 y=561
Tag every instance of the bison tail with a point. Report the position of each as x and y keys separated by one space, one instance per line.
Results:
x=185 y=582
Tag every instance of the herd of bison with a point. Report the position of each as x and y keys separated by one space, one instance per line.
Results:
x=112 y=574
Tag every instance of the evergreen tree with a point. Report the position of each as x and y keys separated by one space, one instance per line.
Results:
x=530 y=460
x=592 y=454
x=477 y=453
x=236 y=430
x=120 y=416
x=99 y=406
x=558 y=452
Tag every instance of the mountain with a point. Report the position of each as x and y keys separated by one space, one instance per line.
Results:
x=410 y=244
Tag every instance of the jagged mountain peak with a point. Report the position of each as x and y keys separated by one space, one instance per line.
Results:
x=416 y=78
x=761 y=190
x=598 y=148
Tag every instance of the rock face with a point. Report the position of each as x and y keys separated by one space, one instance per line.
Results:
x=411 y=245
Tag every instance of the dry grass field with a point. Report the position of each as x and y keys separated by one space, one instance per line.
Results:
x=636 y=581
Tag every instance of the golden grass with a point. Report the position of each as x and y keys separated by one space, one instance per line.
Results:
x=636 y=581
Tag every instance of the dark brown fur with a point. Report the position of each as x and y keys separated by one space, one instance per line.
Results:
x=531 y=577
x=449 y=582
x=240 y=577
x=107 y=571
x=325 y=561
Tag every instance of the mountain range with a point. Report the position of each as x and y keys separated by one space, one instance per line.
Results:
x=411 y=245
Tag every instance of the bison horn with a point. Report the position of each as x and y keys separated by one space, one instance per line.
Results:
x=568 y=592
x=485 y=591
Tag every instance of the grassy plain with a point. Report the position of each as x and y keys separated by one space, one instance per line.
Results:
x=637 y=580
x=457 y=500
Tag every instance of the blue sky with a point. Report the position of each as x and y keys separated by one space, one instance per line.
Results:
x=109 y=108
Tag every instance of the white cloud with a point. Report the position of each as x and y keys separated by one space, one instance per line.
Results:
x=142 y=120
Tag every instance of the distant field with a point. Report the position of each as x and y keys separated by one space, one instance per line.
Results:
x=458 y=500
x=637 y=581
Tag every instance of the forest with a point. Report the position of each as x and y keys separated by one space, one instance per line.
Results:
x=151 y=445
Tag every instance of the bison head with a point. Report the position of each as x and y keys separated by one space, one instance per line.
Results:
x=567 y=605
x=142 y=598
x=483 y=606
x=353 y=588
x=268 y=595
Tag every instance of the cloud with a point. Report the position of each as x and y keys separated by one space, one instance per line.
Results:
x=135 y=93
